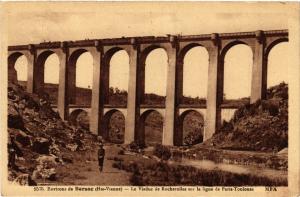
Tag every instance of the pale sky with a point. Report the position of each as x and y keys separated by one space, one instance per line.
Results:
x=65 y=21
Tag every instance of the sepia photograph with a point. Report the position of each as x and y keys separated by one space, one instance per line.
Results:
x=150 y=98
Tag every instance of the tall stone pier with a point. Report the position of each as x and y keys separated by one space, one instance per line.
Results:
x=138 y=48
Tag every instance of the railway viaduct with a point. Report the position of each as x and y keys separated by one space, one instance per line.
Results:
x=176 y=46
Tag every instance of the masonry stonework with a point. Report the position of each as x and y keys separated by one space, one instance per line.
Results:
x=261 y=42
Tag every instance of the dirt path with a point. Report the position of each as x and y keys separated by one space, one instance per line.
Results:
x=85 y=171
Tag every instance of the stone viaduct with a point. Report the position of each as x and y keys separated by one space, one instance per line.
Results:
x=176 y=46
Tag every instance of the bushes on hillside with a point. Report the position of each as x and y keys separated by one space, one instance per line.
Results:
x=136 y=146
x=162 y=152
x=261 y=126
x=194 y=137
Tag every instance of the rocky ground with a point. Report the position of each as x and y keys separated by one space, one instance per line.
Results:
x=262 y=126
x=39 y=142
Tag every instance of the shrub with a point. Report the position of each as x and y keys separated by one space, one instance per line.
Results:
x=133 y=145
x=118 y=159
x=162 y=152
x=136 y=179
x=136 y=146
x=227 y=126
x=194 y=137
x=271 y=106
x=117 y=165
x=121 y=152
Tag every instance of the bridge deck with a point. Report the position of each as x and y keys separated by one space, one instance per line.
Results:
x=146 y=39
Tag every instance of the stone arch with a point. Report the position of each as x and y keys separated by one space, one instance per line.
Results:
x=71 y=74
x=275 y=60
x=108 y=55
x=222 y=69
x=144 y=53
x=74 y=115
x=140 y=136
x=229 y=45
x=11 y=60
x=179 y=131
x=107 y=70
x=143 y=57
x=40 y=69
x=106 y=133
x=274 y=43
x=180 y=68
x=42 y=57
x=186 y=49
x=75 y=55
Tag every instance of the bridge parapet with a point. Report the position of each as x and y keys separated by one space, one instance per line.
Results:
x=149 y=39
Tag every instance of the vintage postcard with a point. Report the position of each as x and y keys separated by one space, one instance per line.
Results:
x=150 y=98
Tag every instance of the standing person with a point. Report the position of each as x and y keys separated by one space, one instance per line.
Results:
x=11 y=155
x=13 y=151
x=101 y=154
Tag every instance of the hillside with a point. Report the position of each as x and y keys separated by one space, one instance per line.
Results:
x=83 y=95
x=38 y=140
x=262 y=126
x=119 y=97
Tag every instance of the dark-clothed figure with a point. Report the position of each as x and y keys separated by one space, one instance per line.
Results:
x=101 y=154
x=13 y=151
x=11 y=156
